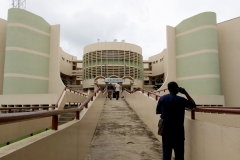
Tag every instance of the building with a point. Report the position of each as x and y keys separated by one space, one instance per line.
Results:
x=200 y=56
x=113 y=59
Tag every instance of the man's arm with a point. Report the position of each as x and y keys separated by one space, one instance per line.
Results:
x=183 y=91
x=158 y=108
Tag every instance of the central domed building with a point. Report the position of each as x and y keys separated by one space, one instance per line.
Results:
x=112 y=60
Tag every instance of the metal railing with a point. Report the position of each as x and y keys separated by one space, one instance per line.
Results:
x=17 y=117
x=203 y=109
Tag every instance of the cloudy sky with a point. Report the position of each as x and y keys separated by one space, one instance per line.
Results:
x=141 y=22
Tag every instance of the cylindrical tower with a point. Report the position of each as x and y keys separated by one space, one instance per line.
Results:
x=107 y=59
x=26 y=69
x=197 y=61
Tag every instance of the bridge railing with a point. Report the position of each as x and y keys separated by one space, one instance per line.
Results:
x=29 y=109
x=203 y=109
x=17 y=117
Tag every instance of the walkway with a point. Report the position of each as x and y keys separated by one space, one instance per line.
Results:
x=121 y=134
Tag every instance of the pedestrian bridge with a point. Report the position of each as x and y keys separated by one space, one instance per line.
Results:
x=115 y=129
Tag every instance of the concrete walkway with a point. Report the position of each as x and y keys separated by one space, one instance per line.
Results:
x=121 y=134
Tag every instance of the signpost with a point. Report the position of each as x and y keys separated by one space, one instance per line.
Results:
x=113 y=80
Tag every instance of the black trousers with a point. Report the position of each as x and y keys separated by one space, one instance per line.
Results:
x=177 y=145
x=117 y=94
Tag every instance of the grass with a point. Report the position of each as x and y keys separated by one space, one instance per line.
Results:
x=24 y=137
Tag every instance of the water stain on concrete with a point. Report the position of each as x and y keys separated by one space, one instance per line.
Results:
x=121 y=134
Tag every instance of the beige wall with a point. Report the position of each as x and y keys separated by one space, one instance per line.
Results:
x=70 y=97
x=209 y=141
x=229 y=55
x=113 y=46
x=3 y=29
x=170 y=58
x=66 y=64
x=157 y=68
x=13 y=131
x=55 y=83
x=71 y=141
x=28 y=99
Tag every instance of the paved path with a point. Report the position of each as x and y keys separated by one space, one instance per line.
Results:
x=121 y=134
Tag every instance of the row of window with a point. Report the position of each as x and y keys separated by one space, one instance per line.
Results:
x=157 y=61
x=68 y=61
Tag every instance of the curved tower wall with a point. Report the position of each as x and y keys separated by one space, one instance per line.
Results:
x=197 y=59
x=26 y=69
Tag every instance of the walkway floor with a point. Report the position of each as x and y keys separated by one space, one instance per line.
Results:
x=121 y=134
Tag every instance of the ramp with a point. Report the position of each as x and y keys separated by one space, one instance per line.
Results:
x=121 y=134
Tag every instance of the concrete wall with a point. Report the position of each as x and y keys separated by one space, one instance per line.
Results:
x=66 y=62
x=158 y=66
x=71 y=141
x=211 y=141
x=229 y=54
x=3 y=30
x=214 y=136
x=55 y=84
x=26 y=69
x=17 y=130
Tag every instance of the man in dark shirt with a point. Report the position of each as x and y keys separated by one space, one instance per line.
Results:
x=172 y=110
x=110 y=90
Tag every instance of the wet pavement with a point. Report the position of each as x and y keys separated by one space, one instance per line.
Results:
x=121 y=134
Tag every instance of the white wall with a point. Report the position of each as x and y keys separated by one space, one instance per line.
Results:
x=229 y=55
x=157 y=68
x=3 y=29
x=55 y=84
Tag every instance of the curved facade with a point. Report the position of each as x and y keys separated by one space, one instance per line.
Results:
x=26 y=69
x=197 y=59
x=108 y=59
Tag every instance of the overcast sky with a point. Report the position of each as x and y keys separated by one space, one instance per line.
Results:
x=141 y=22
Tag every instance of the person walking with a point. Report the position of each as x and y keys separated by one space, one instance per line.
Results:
x=172 y=110
x=110 y=90
x=117 y=89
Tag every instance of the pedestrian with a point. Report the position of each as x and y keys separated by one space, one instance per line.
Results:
x=172 y=110
x=110 y=90
x=117 y=89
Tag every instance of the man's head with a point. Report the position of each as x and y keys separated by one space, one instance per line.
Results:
x=173 y=87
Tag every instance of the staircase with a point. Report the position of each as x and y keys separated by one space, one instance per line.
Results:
x=66 y=117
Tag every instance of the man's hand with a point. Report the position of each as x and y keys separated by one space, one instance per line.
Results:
x=182 y=90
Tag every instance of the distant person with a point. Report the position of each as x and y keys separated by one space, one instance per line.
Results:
x=117 y=89
x=110 y=90
x=172 y=110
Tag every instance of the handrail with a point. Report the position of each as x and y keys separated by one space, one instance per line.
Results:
x=77 y=92
x=60 y=97
x=33 y=108
x=148 y=92
x=16 y=117
x=208 y=109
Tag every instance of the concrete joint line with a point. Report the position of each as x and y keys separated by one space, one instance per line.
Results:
x=197 y=52
x=28 y=27
x=198 y=77
x=25 y=76
x=27 y=50
x=196 y=29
